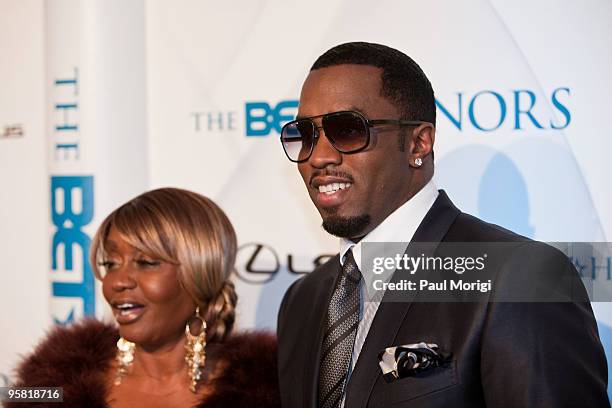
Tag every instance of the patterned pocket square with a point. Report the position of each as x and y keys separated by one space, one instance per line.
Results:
x=410 y=359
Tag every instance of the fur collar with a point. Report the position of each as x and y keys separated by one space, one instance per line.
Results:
x=78 y=357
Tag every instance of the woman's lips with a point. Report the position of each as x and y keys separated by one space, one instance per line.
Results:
x=128 y=315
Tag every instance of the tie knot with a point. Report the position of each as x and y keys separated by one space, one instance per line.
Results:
x=350 y=268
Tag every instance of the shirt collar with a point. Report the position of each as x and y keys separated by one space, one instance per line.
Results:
x=399 y=226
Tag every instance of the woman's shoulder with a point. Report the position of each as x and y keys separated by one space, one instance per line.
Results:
x=256 y=344
x=68 y=354
x=249 y=376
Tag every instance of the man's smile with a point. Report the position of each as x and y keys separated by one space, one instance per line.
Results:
x=333 y=187
x=330 y=191
x=332 y=195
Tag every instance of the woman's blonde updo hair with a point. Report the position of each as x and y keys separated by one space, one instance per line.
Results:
x=189 y=230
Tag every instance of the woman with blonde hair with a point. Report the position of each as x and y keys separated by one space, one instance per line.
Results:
x=164 y=259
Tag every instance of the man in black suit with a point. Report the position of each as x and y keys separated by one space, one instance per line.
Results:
x=363 y=141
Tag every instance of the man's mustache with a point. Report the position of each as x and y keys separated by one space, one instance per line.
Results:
x=331 y=173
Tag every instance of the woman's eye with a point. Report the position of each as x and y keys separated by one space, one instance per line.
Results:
x=108 y=264
x=147 y=263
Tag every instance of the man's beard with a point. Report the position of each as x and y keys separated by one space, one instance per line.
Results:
x=346 y=227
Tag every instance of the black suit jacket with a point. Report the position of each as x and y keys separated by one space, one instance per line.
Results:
x=505 y=354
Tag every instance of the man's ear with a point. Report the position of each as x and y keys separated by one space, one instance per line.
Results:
x=420 y=145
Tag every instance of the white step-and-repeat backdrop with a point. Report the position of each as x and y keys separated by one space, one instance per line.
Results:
x=105 y=99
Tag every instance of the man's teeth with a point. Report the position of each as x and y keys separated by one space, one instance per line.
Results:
x=333 y=187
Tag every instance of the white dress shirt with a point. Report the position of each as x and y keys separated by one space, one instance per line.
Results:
x=399 y=226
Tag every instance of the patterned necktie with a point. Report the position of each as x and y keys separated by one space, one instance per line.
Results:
x=341 y=324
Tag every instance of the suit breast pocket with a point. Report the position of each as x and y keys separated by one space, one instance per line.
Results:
x=418 y=386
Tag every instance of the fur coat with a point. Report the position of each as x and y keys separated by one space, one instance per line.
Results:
x=78 y=358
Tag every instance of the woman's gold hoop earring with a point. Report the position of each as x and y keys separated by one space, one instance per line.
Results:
x=196 y=351
x=125 y=357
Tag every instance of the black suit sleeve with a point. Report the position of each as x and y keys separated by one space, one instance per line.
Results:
x=282 y=311
x=288 y=351
x=544 y=352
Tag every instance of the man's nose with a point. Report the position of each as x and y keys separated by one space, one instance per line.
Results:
x=324 y=153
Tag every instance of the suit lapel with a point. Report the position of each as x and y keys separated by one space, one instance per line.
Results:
x=320 y=302
x=391 y=315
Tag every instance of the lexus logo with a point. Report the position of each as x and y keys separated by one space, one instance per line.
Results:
x=259 y=263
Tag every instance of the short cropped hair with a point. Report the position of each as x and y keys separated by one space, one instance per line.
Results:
x=403 y=82
x=186 y=229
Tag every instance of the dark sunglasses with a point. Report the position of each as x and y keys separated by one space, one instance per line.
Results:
x=347 y=131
